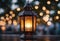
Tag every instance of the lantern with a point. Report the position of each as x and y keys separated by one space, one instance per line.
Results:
x=27 y=19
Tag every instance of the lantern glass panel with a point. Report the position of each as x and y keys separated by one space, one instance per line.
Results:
x=28 y=23
x=22 y=23
x=34 y=23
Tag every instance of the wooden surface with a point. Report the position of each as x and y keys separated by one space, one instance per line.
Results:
x=16 y=37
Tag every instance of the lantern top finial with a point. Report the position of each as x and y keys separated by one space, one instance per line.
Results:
x=28 y=11
x=28 y=7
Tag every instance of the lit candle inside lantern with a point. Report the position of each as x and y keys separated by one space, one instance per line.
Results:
x=28 y=23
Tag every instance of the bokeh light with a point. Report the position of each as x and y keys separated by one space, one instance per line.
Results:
x=14 y=6
x=43 y=8
x=38 y=21
x=48 y=2
x=56 y=0
x=57 y=17
x=29 y=1
x=36 y=2
x=14 y=1
x=50 y=19
x=13 y=15
x=1 y=10
x=18 y=9
x=7 y=15
x=52 y=11
x=47 y=12
x=46 y=18
x=2 y=23
x=49 y=23
x=3 y=28
x=10 y=17
x=9 y=22
x=41 y=13
x=7 y=18
x=58 y=11
x=36 y=7
x=14 y=22
x=58 y=5
x=11 y=12
x=2 y=18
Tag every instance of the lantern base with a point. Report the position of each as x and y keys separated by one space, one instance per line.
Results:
x=27 y=31
x=28 y=36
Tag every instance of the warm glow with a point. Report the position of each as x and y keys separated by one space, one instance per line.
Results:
x=57 y=17
x=38 y=20
x=18 y=9
x=47 y=39
x=56 y=0
x=58 y=12
x=10 y=17
x=15 y=22
x=7 y=18
x=13 y=15
x=3 y=28
x=11 y=12
x=28 y=23
x=47 y=11
x=46 y=18
x=49 y=23
x=7 y=15
x=2 y=23
x=48 y=2
x=9 y=22
x=22 y=23
x=34 y=23
x=41 y=14
x=43 y=8
x=36 y=7
x=2 y=18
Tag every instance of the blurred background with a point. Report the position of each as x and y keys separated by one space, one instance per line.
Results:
x=48 y=20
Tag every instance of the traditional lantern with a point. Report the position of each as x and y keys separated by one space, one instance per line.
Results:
x=27 y=19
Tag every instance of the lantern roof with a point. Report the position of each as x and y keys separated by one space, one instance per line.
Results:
x=23 y=13
x=27 y=11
